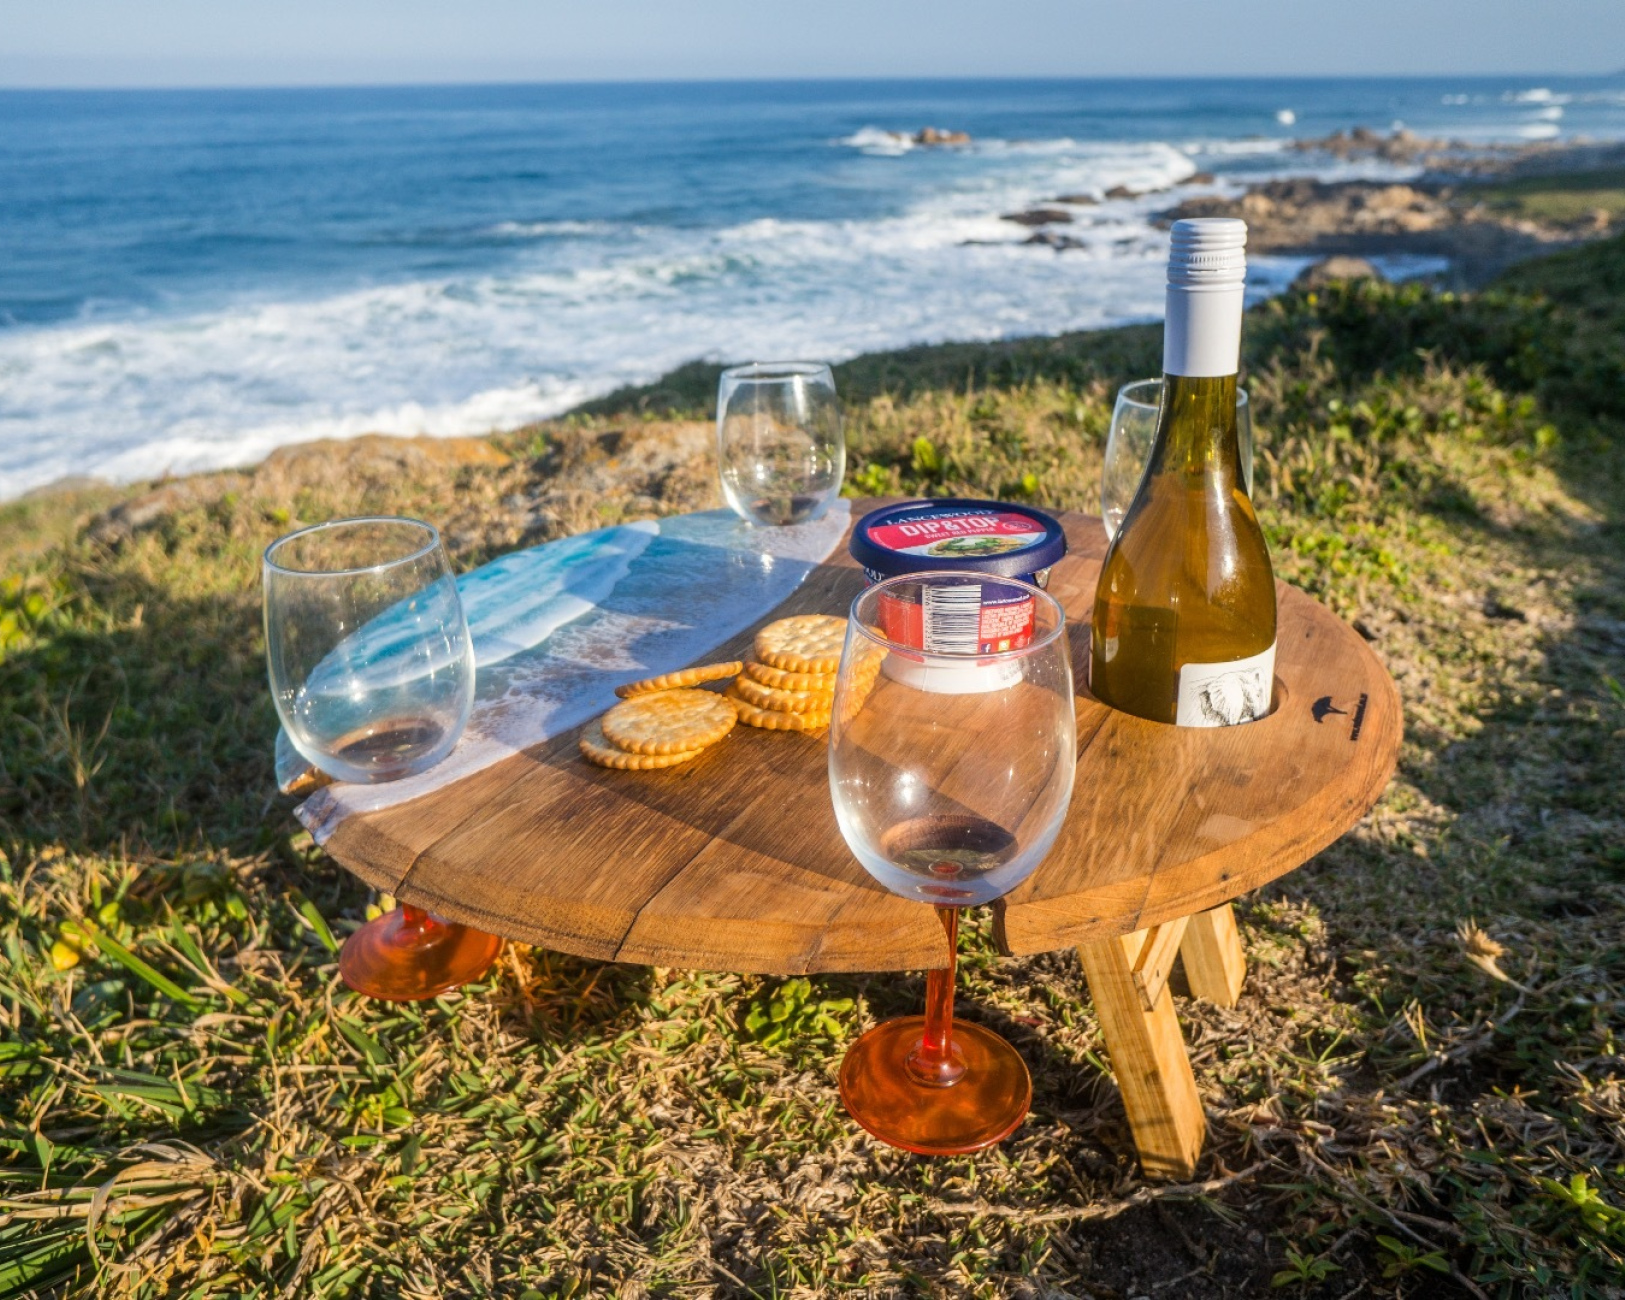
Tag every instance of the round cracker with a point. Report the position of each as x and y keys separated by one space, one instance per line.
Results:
x=765 y=697
x=595 y=748
x=781 y=680
x=683 y=677
x=804 y=643
x=669 y=722
x=773 y=720
x=869 y=658
x=857 y=695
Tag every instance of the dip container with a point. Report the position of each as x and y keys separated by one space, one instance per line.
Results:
x=956 y=535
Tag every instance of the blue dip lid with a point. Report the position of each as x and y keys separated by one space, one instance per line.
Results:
x=949 y=533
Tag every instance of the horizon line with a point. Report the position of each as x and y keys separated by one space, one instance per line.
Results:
x=497 y=82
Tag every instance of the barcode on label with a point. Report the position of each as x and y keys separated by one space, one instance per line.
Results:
x=953 y=620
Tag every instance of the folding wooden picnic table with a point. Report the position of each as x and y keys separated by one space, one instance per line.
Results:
x=734 y=861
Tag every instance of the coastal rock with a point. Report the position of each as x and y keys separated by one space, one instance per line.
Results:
x=1400 y=206
x=933 y=135
x=588 y=477
x=373 y=459
x=1289 y=211
x=1403 y=146
x=67 y=486
x=640 y=458
x=1332 y=269
x=1039 y=217
x=1078 y=200
x=1363 y=218
x=371 y=462
x=1060 y=243
x=1122 y=192
x=1200 y=178
x=1363 y=142
x=140 y=514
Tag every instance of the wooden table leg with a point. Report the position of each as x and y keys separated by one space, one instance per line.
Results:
x=1147 y=1054
x=1215 y=964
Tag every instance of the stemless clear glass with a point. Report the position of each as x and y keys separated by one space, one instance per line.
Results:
x=1128 y=446
x=951 y=776
x=370 y=660
x=372 y=671
x=780 y=450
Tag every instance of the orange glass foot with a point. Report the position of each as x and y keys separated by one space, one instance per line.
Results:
x=985 y=1102
x=407 y=955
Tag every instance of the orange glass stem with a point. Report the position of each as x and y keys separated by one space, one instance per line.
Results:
x=923 y=1084
x=415 y=921
x=935 y=1062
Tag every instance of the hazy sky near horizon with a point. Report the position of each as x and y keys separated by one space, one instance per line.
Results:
x=292 y=42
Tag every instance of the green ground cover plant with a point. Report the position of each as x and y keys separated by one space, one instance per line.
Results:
x=1422 y=1092
x=1564 y=198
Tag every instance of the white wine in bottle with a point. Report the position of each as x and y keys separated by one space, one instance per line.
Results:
x=1184 y=621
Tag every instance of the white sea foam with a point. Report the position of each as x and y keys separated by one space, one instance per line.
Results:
x=1536 y=95
x=549 y=229
x=1236 y=148
x=878 y=142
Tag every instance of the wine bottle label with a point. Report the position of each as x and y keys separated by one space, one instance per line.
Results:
x=1221 y=695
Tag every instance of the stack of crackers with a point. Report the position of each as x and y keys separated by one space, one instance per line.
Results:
x=788 y=686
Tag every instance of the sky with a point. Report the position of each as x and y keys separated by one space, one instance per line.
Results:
x=302 y=42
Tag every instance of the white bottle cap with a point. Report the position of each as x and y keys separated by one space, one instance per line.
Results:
x=1207 y=274
x=1208 y=251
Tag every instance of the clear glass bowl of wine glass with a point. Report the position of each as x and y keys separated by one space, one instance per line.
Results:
x=781 y=453
x=1128 y=447
x=372 y=671
x=951 y=773
x=370 y=660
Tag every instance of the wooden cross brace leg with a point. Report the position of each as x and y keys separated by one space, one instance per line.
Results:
x=1215 y=963
x=1128 y=979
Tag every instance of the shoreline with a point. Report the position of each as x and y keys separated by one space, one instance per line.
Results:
x=1464 y=205
x=1482 y=208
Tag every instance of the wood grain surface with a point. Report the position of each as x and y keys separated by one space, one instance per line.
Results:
x=735 y=862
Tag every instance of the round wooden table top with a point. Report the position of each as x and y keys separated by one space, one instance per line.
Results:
x=734 y=861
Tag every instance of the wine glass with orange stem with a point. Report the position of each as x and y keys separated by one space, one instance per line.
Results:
x=372 y=671
x=952 y=750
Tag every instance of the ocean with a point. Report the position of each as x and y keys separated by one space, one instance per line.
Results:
x=192 y=278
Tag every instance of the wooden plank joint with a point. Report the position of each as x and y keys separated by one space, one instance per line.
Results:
x=1215 y=962
x=1158 y=947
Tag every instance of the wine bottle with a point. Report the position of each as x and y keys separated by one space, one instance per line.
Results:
x=1184 y=621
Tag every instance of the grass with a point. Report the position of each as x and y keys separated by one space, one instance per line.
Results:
x=1566 y=198
x=1423 y=1090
